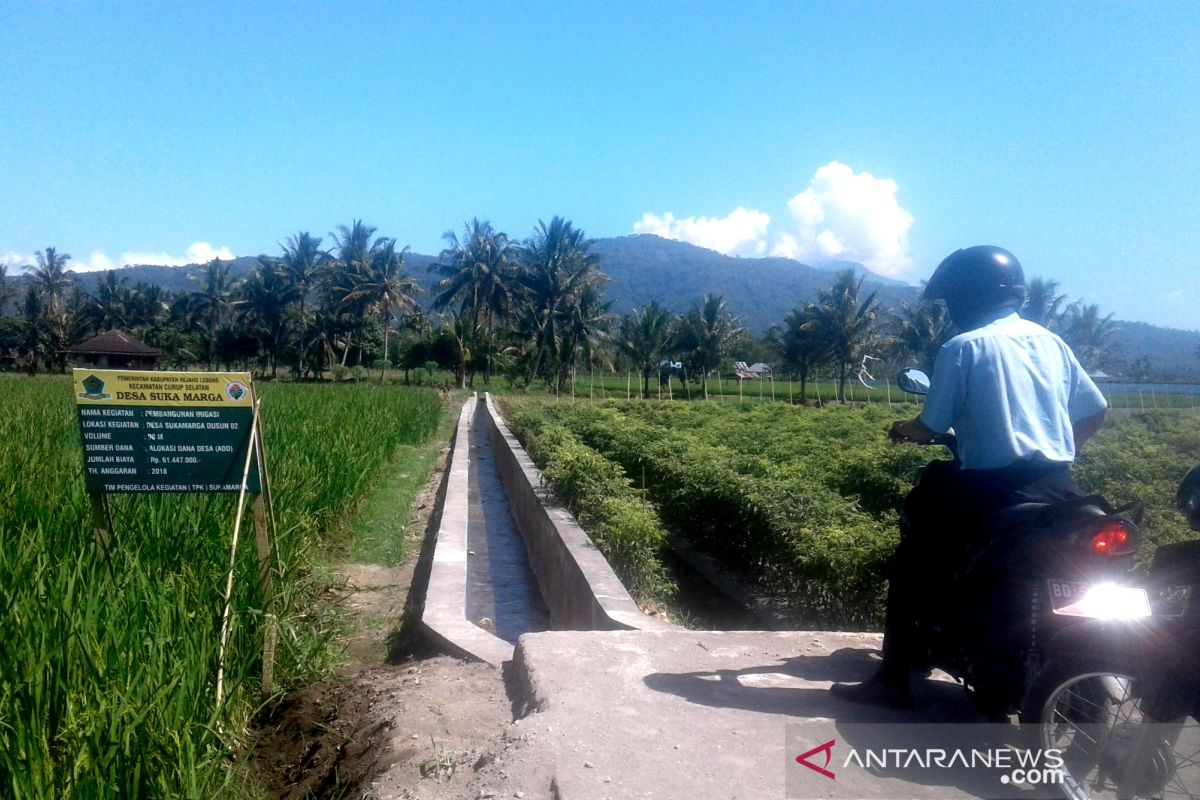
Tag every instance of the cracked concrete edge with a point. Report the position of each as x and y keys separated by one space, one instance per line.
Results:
x=577 y=583
x=444 y=617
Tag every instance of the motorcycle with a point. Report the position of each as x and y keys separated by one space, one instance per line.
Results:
x=1120 y=699
x=1023 y=578
x=1043 y=621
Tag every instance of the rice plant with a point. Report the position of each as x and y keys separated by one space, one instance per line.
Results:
x=108 y=656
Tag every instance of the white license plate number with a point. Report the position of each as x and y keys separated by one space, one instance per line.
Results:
x=1065 y=593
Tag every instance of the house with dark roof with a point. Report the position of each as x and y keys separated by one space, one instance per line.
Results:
x=114 y=350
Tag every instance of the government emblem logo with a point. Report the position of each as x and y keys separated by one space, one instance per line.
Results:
x=93 y=389
x=235 y=390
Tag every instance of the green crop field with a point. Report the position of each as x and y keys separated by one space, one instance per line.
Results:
x=802 y=500
x=108 y=659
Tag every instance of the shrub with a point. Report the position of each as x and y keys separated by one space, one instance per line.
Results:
x=624 y=527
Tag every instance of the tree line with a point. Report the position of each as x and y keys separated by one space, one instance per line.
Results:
x=529 y=311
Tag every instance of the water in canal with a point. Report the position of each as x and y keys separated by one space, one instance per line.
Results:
x=500 y=584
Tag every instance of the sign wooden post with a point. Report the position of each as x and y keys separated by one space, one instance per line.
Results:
x=179 y=432
x=101 y=518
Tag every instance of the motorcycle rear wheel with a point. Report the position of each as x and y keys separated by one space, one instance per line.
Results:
x=1091 y=713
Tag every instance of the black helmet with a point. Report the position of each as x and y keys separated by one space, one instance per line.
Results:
x=976 y=280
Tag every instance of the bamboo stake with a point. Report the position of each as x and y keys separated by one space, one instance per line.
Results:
x=263 y=542
x=271 y=634
x=237 y=530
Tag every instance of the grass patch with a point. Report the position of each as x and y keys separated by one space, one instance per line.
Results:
x=378 y=534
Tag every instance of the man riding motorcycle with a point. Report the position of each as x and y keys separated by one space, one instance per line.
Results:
x=1020 y=406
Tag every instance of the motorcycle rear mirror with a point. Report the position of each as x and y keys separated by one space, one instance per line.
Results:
x=913 y=381
x=1187 y=499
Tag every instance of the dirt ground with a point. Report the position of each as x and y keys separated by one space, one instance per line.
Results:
x=419 y=729
x=400 y=722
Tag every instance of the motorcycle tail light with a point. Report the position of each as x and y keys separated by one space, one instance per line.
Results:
x=1114 y=538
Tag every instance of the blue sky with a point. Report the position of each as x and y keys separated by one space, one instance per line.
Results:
x=889 y=133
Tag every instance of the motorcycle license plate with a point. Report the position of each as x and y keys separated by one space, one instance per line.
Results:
x=1065 y=593
x=1098 y=601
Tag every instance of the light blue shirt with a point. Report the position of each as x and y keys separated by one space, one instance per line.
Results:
x=1010 y=389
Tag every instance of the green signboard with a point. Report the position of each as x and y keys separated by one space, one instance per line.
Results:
x=165 y=431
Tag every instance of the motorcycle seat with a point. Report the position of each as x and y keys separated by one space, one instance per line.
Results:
x=1012 y=516
x=1033 y=514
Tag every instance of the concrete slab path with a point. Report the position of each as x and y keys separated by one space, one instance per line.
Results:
x=697 y=715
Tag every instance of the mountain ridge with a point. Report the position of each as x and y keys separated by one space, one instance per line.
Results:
x=761 y=291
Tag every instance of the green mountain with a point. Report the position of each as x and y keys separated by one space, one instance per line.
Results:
x=761 y=291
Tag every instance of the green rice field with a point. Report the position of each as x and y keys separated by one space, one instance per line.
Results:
x=108 y=658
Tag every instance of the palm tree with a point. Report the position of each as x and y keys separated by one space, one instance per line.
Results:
x=6 y=289
x=31 y=327
x=1043 y=303
x=846 y=324
x=50 y=278
x=266 y=295
x=456 y=329
x=352 y=250
x=586 y=328
x=558 y=271
x=213 y=302
x=111 y=306
x=707 y=335
x=480 y=272
x=1087 y=332
x=380 y=283
x=924 y=328
x=646 y=337
x=305 y=264
x=149 y=304
x=800 y=343
x=352 y=245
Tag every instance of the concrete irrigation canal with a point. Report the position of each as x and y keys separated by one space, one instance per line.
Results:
x=610 y=702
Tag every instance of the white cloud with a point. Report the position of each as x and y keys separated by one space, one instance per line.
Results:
x=742 y=233
x=201 y=252
x=96 y=262
x=197 y=253
x=161 y=259
x=844 y=215
x=16 y=260
x=841 y=216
